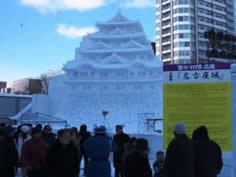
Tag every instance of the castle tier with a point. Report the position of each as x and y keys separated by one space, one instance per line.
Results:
x=120 y=45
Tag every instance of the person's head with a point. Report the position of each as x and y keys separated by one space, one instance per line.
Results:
x=64 y=136
x=200 y=133
x=74 y=133
x=36 y=133
x=100 y=130
x=133 y=141
x=39 y=126
x=179 y=129
x=142 y=145
x=160 y=156
x=83 y=128
x=119 y=129
x=47 y=129
x=74 y=129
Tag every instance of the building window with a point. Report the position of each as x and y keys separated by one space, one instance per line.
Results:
x=184 y=27
x=104 y=74
x=83 y=74
x=179 y=2
x=182 y=53
x=182 y=44
x=131 y=73
x=166 y=55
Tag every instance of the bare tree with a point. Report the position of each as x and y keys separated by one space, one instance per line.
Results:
x=46 y=77
x=44 y=83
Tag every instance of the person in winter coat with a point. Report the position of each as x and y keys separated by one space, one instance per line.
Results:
x=75 y=139
x=22 y=135
x=137 y=163
x=129 y=148
x=180 y=158
x=62 y=159
x=120 y=139
x=8 y=155
x=47 y=135
x=33 y=154
x=84 y=134
x=98 y=149
x=158 y=165
x=208 y=154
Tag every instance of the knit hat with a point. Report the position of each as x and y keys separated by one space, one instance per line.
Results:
x=100 y=129
x=25 y=129
x=180 y=129
x=35 y=130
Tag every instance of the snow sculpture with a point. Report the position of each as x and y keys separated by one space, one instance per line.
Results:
x=115 y=70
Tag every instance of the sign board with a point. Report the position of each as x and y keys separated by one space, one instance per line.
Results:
x=198 y=95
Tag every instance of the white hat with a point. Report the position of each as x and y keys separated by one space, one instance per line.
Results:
x=180 y=129
x=25 y=128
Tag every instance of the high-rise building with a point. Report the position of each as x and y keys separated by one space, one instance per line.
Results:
x=181 y=25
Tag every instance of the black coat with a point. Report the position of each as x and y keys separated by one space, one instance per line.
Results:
x=84 y=136
x=120 y=140
x=62 y=161
x=180 y=158
x=49 y=138
x=208 y=158
x=137 y=165
x=8 y=157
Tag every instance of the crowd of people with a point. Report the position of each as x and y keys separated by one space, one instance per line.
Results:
x=38 y=152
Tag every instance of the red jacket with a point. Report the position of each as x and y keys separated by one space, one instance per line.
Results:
x=33 y=153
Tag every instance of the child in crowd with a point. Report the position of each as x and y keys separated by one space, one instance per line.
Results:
x=158 y=165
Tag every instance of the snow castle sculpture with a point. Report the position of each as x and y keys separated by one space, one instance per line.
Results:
x=115 y=70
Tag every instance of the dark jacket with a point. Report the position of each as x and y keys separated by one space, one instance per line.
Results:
x=208 y=155
x=159 y=165
x=8 y=157
x=137 y=165
x=98 y=149
x=33 y=154
x=128 y=149
x=62 y=161
x=180 y=158
x=120 y=141
x=49 y=138
x=84 y=136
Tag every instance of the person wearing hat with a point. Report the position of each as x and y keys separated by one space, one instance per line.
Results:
x=32 y=155
x=98 y=149
x=180 y=155
x=22 y=135
x=137 y=163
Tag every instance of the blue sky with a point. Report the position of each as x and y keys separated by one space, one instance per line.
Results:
x=39 y=35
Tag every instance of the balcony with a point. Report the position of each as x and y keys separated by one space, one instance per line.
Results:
x=204 y=15
x=219 y=11
x=218 y=3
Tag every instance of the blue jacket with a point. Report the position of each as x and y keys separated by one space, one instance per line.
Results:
x=98 y=149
